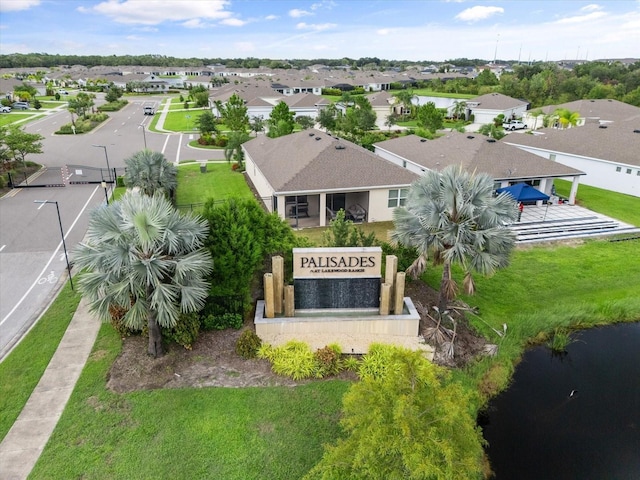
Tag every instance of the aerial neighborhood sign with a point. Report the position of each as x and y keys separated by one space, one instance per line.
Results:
x=337 y=262
x=337 y=278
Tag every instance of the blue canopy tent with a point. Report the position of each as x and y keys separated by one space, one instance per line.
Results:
x=523 y=192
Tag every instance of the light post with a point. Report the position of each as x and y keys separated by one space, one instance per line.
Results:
x=106 y=156
x=106 y=196
x=64 y=245
x=144 y=135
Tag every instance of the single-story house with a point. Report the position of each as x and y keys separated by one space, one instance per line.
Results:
x=313 y=174
x=607 y=153
x=487 y=107
x=506 y=164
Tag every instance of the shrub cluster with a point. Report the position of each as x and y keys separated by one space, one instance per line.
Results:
x=185 y=332
x=220 y=322
x=113 y=106
x=296 y=360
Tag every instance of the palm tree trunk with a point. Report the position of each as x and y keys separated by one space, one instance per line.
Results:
x=155 y=337
x=443 y=295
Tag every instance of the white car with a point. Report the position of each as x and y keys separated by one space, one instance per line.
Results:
x=63 y=92
x=5 y=109
x=514 y=125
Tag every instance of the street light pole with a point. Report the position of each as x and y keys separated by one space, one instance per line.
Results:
x=144 y=135
x=106 y=156
x=64 y=245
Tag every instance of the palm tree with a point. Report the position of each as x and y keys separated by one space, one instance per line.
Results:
x=141 y=255
x=151 y=172
x=405 y=98
x=233 y=149
x=567 y=118
x=459 y=109
x=454 y=214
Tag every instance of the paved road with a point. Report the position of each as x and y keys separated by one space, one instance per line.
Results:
x=32 y=263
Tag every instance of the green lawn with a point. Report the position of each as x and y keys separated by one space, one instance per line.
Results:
x=183 y=120
x=219 y=182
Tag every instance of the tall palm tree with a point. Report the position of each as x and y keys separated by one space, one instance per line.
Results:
x=151 y=172
x=142 y=255
x=454 y=214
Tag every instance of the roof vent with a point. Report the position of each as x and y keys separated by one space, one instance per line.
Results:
x=311 y=134
x=636 y=131
x=470 y=137
x=318 y=138
x=602 y=126
x=339 y=146
x=423 y=140
x=491 y=140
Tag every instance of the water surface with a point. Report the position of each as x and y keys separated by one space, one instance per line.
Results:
x=537 y=430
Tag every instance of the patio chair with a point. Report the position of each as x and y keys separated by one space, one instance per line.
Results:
x=357 y=213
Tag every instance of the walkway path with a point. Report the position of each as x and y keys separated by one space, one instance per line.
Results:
x=21 y=448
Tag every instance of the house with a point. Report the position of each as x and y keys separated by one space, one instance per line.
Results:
x=313 y=174
x=607 y=153
x=503 y=162
x=487 y=107
x=600 y=111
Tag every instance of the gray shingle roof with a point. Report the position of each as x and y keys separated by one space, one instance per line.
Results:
x=617 y=142
x=475 y=153
x=309 y=161
x=600 y=109
x=496 y=101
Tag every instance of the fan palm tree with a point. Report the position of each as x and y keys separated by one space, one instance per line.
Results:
x=141 y=255
x=454 y=214
x=151 y=172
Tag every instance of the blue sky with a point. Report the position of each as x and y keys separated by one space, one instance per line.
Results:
x=401 y=30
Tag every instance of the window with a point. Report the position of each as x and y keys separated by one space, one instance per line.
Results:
x=618 y=169
x=628 y=171
x=638 y=173
x=397 y=197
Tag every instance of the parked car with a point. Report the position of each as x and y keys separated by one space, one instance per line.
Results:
x=63 y=92
x=514 y=125
x=5 y=109
x=20 y=106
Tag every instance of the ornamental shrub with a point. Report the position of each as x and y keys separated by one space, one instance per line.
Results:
x=186 y=330
x=328 y=360
x=248 y=344
x=293 y=359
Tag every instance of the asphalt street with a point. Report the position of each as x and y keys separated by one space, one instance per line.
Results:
x=32 y=260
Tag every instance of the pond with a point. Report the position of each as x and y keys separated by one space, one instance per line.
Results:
x=575 y=416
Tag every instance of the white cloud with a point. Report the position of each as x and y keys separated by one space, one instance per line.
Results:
x=581 y=18
x=297 y=13
x=17 y=5
x=233 y=22
x=244 y=47
x=271 y=17
x=324 y=4
x=193 y=23
x=133 y=37
x=385 y=31
x=318 y=27
x=153 y=12
x=477 y=13
x=591 y=8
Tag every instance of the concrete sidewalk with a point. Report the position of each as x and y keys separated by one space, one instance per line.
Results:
x=21 y=448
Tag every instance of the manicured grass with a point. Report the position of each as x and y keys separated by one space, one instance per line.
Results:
x=430 y=93
x=7 y=118
x=226 y=433
x=183 y=120
x=21 y=370
x=625 y=208
x=219 y=182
